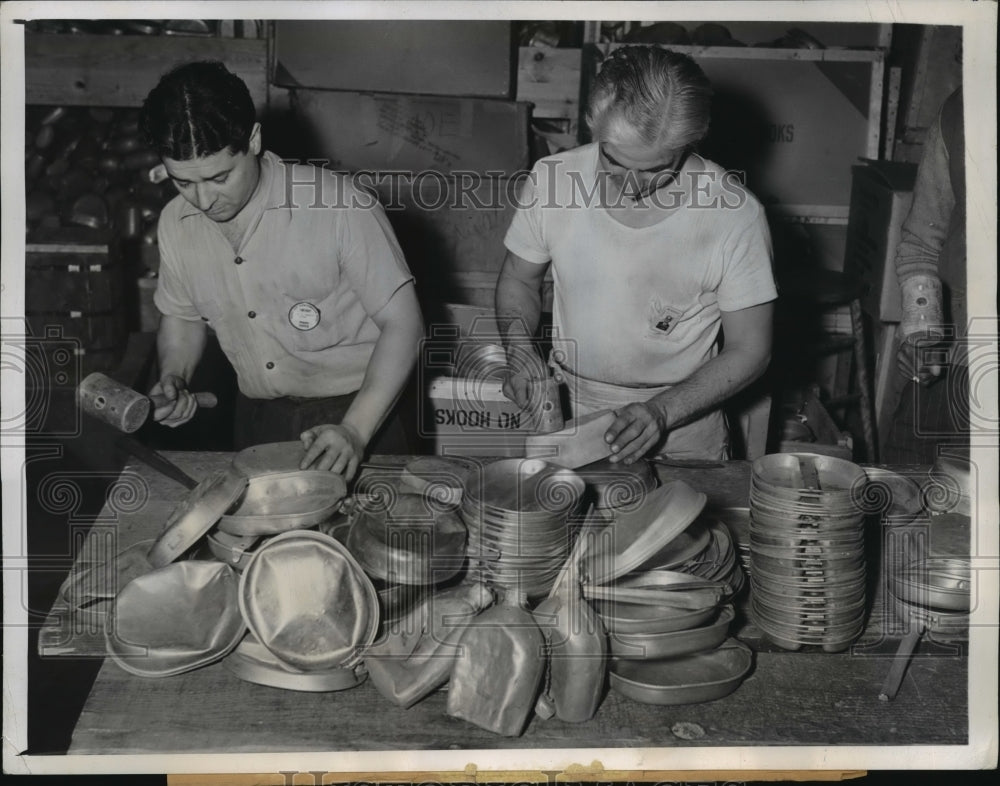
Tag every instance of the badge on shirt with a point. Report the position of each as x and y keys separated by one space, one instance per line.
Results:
x=663 y=318
x=303 y=316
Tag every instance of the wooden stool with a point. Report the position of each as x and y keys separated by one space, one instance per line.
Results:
x=819 y=290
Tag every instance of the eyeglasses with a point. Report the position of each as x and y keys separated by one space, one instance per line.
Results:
x=654 y=170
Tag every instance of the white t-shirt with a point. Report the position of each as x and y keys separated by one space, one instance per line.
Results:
x=641 y=306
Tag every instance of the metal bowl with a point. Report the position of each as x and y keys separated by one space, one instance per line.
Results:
x=943 y=583
x=524 y=486
x=280 y=501
x=620 y=616
x=689 y=679
x=670 y=644
x=411 y=542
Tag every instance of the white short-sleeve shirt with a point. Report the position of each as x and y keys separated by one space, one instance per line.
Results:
x=641 y=306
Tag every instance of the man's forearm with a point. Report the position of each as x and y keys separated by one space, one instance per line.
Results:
x=718 y=380
x=179 y=346
x=518 y=308
x=389 y=368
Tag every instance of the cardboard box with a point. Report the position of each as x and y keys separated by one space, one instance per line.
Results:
x=468 y=414
x=393 y=132
x=881 y=194
x=434 y=57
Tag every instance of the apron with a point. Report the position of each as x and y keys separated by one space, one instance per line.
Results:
x=705 y=438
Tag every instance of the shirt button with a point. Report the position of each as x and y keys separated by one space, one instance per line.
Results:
x=252 y=314
x=238 y=260
x=270 y=365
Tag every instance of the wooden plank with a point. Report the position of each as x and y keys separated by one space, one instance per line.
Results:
x=95 y=70
x=769 y=53
x=781 y=703
x=575 y=773
x=550 y=79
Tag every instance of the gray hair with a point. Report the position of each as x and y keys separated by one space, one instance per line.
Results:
x=659 y=97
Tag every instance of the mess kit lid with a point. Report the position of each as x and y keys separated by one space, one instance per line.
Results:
x=175 y=619
x=308 y=601
x=637 y=535
x=269 y=457
x=276 y=502
x=196 y=514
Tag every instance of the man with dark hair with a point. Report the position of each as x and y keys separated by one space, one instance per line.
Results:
x=653 y=249
x=298 y=273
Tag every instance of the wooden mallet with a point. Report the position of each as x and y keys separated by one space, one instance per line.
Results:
x=120 y=406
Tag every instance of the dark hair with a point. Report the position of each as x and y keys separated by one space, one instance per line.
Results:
x=196 y=110
x=663 y=97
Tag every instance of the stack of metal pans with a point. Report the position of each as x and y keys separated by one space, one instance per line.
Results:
x=807 y=550
x=717 y=561
x=517 y=511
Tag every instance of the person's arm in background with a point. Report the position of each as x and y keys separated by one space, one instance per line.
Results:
x=743 y=359
x=340 y=447
x=518 y=297
x=179 y=346
x=922 y=238
x=518 y=303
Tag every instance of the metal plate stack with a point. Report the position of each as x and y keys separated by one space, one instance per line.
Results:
x=517 y=511
x=807 y=550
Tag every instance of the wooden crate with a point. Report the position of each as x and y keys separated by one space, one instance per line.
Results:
x=106 y=70
x=75 y=292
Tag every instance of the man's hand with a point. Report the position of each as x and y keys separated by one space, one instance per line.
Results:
x=174 y=404
x=922 y=358
x=524 y=382
x=636 y=430
x=338 y=448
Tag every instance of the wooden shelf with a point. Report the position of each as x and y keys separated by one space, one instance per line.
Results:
x=97 y=70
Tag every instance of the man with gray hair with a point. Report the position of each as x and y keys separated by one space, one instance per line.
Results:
x=653 y=249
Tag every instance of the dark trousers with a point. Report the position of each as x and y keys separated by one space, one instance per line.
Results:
x=259 y=421
x=929 y=420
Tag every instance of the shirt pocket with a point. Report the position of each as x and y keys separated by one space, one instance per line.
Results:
x=669 y=319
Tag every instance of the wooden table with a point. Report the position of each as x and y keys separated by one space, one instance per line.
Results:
x=791 y=698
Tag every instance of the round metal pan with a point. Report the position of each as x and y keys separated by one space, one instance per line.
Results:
x=253 y=662
x=196 y=515
x=277 y=502
x=781 y=473
x=410 y=543
x=638 y=534
x=670 y=644
x=624 y=617
x=941 y=583
x=525 y=486
x=308 y=601
x=689 y=679
x=943 y=625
